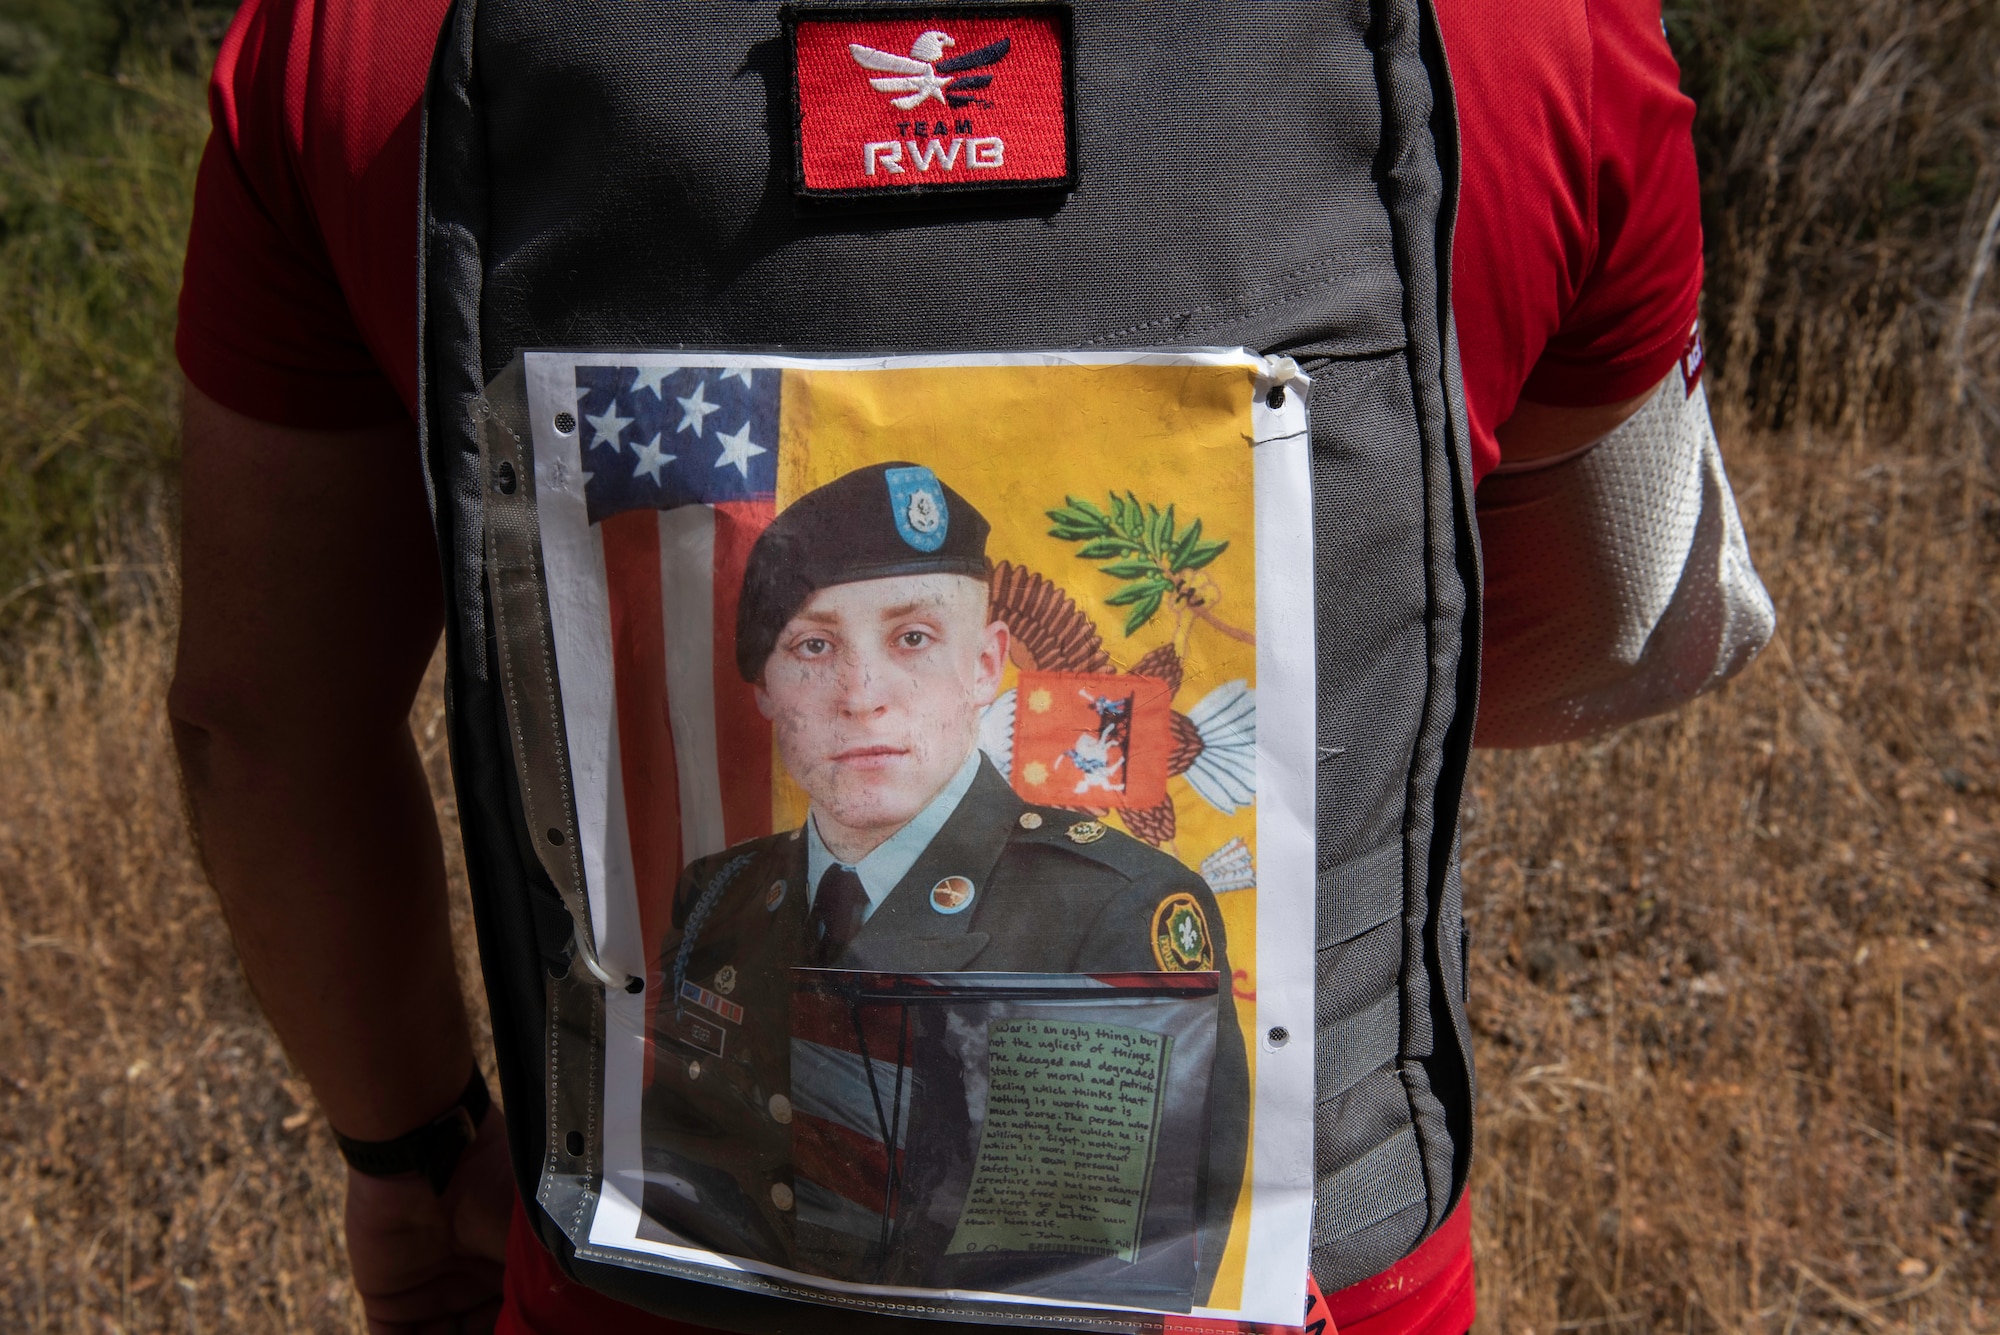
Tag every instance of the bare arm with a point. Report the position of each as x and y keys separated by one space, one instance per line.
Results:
x=1539 y=431
x=310 y=607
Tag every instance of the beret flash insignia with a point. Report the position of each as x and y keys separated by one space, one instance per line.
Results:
x=916 y=500
x=1181 y=943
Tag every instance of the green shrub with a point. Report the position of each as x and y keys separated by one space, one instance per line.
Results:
x=102 y=120
x=1850 y=156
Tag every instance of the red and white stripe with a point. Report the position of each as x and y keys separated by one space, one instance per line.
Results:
x=673 y=577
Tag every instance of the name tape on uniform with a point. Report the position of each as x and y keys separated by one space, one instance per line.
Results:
x=704 y=1035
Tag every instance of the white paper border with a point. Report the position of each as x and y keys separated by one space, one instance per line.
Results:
x=1281 y=1153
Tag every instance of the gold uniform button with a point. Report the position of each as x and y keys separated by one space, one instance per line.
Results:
x=781 y=1109
x=781 y=1196
x=1031 y=820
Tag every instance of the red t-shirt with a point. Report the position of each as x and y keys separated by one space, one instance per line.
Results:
x=1576 y=273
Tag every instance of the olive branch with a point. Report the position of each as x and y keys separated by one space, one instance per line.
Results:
x=1147 y=548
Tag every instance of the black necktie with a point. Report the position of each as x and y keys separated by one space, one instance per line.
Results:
x=838 y=908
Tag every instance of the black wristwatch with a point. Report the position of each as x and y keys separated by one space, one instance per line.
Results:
x=432 y=1150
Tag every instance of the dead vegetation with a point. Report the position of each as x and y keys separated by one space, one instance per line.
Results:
x=1736 y=974
x=161 y=1169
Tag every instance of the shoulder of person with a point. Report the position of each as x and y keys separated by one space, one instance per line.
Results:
x=1140 y=906
x=1091 y=840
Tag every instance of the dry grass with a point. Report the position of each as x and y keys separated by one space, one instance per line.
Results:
x=160 y=1167
x=1736 y=974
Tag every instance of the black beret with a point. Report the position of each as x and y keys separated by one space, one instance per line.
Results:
x=873 y=523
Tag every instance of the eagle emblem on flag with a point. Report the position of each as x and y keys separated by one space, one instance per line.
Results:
x=1091 y=740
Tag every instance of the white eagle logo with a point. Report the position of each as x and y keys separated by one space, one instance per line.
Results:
x=925 y=74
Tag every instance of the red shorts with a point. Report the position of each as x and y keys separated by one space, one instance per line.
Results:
x=1428 y=1292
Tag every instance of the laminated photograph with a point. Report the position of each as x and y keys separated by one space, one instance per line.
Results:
x=939 y=737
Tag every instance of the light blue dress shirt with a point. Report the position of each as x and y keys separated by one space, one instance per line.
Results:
x=893 y=857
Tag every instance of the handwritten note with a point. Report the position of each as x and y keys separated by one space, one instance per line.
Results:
x=1065 y=1160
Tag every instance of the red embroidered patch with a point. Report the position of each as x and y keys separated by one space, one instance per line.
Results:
x=909 y=101
x=1692 y=361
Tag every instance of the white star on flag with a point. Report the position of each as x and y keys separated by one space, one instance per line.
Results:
x=608 y=424
x=695 y=409
x=737 y=449
x=651 y=461
x=740 y=372
x=650 y=378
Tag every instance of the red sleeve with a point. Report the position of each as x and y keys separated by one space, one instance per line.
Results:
x=1631 y=321
x=1577 y=260
x=298 y=299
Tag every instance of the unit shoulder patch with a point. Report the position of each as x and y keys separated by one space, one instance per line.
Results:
x=1181 y=940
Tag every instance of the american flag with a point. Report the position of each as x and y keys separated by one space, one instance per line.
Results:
x=852 y=1089
x=680 y=468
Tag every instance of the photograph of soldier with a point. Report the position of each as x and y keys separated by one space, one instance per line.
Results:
x=863 y=626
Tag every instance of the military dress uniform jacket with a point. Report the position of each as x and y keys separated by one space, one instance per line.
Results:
x=1052 y=893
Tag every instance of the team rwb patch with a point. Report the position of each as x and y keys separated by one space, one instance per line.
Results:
x=908 y=101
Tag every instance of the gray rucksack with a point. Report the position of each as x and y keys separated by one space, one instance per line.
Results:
x=1279 y=177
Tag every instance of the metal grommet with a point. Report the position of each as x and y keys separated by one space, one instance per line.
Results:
x=1279 y=1036
x=581 y=953
x=503 y=477
x=573 y=1142
x=565 y=423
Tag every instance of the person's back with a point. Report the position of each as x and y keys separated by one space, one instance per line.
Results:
x=311 y=604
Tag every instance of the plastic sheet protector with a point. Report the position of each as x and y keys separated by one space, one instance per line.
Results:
x=939 y=738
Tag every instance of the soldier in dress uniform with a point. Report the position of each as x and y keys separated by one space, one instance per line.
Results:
x=863 y=626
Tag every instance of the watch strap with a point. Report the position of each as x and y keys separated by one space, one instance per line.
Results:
x=432 y=1150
